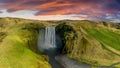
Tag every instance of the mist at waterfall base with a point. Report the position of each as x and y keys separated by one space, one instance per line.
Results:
x=47 y=38
x=49 y=43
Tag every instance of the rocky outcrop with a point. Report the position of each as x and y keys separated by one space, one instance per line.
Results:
x=79 y=44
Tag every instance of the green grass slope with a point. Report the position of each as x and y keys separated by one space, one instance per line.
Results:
x=18 y=45
x=106 y=37
x=95 y=43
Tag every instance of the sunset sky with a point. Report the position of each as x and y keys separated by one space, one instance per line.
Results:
x=106 y=10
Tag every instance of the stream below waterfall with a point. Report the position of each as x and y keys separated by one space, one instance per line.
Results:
x=47 y=44
x=52 y=53
x=59 y=61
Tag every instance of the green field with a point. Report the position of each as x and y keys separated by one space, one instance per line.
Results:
x=93 y=42
x=106 y=37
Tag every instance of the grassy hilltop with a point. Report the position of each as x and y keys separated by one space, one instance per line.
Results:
x=96 y=43
x=92 y=42
x=18 y=44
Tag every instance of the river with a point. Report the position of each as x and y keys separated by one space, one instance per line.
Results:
x=59 y=61
x=47 y=44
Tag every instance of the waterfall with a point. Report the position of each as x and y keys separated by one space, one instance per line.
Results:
x=47 y=38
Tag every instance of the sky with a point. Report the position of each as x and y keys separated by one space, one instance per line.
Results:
x=105 y=10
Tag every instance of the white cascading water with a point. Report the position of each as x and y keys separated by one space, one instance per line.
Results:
x=47 y=38
x=46 y=41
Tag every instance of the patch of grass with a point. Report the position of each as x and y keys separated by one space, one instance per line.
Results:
x=106 y=37
x=83 y=42
x=18 y=49
x=14 y=54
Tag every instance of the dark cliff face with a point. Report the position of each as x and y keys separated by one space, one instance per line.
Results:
x=83 y=41
x=117 y=25
x=67 y=33
x=96 y=43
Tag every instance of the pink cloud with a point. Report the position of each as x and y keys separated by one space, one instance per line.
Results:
x=92 y=8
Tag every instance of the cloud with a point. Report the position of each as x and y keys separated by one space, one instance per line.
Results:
x=1 y=12
x=96 y=9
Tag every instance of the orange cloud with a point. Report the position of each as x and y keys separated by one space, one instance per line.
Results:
x=92 y=8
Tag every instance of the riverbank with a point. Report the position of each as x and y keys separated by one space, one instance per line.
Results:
x=70 y=63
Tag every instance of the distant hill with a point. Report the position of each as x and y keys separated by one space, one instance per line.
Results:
x=93 y=42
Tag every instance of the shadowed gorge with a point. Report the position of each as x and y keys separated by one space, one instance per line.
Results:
x=45 y=44
x=92 y=48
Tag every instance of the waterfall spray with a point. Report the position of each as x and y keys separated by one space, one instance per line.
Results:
x=47 y=38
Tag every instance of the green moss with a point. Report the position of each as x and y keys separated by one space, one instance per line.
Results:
x=106 y=37
x=66 y=32
x=83 y=41
x=18 y=48
x=14 y=54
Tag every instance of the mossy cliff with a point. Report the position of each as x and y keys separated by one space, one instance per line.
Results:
x=95 y=43
x=92 y=42
x=18 y=44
